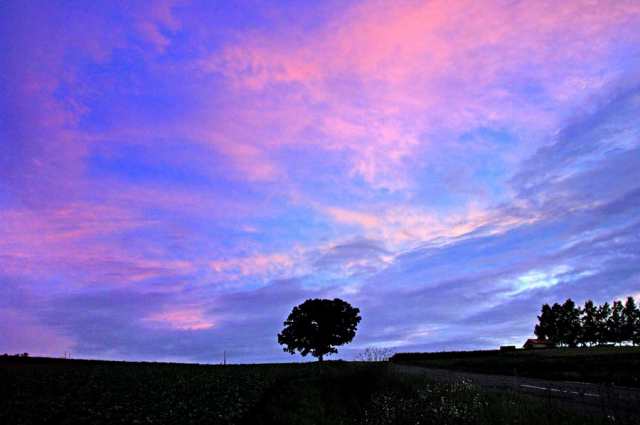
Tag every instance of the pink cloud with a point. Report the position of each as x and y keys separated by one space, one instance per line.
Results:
x=22 y=333
x=151 y=20
x=250 y=161
x=343 y=215
x=401 y=227
x=377 y=77
x=267 y=265
x=185 y=318
x=77 y=241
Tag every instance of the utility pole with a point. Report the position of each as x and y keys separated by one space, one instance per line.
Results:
x=224 y=357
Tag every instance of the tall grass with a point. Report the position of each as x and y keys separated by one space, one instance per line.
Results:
x=320 y=394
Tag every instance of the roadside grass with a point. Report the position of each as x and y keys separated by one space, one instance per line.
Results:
x=417 y=400
x=602 y=365
x=77 y=392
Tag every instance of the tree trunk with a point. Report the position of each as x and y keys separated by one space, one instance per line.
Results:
x=321 y=357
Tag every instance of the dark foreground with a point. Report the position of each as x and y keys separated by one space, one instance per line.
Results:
x=50 y=391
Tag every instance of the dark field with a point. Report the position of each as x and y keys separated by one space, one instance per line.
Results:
x=602 y=365
x=52 y=391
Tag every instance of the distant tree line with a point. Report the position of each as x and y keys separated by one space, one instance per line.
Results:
x=568 y=325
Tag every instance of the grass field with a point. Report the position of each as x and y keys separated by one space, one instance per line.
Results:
x=50 y=391
x=614 y=365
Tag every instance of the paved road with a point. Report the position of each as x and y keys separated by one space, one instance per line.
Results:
x=593 y=397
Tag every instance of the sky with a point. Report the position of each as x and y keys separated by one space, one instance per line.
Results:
x=175 y=176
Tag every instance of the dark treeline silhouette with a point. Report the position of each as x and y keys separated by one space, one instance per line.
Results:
x=568 y=325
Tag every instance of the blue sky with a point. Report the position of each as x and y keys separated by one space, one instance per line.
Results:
x=175 y=177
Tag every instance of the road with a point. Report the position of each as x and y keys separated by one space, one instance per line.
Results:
x=596 y=398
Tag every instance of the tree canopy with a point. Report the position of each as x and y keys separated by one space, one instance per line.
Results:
x=569 y=325
x=317 y=326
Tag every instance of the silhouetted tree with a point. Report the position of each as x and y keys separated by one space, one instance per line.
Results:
x=602 y=320
x=556 y=329
x=317 y=326
x=569 y=323
x=546 y=327
x=630 y=320
x=589 y=331
x=635 y=337
x=614 y=324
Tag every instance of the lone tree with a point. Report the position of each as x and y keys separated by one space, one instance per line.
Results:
x=317 y=326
